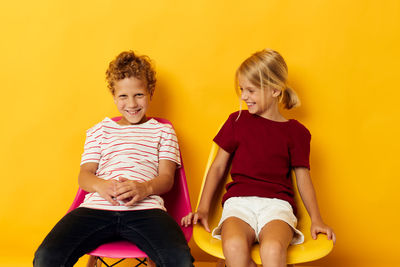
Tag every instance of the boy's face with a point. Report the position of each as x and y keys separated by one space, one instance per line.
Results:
x=132 y=99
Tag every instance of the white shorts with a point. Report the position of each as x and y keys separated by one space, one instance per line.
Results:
x=257 y=212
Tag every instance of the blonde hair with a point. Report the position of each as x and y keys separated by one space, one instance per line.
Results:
x=267 y=68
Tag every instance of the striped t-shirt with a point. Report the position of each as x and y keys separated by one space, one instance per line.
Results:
x=130 y=151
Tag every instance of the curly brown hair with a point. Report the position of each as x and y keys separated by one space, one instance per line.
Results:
x=127 y=64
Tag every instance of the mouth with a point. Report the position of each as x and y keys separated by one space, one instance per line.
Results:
x=250 y=104
x=133 y=112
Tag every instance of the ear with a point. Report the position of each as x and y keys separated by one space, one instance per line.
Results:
x=276 y=92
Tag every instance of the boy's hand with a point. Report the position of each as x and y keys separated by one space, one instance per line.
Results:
x=195 y=217
x=131 y=191
x=320 y=227
x=107 y=190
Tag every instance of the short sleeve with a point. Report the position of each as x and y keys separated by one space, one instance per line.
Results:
x=300 y=147
x=226 y=135
x=92 y=148
x=169 y=148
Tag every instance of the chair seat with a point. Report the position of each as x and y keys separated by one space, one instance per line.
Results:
x=310 y=250
x=125 y=249
x=118 y=249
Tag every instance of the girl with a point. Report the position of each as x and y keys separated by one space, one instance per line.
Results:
x=125 y=166
x=265 y=147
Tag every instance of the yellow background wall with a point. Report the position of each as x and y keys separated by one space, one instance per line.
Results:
x=343 y=59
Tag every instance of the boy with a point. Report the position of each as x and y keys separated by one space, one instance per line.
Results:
x=125 y=166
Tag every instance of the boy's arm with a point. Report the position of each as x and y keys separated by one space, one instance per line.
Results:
x=307 y=193
x=134 y=191
x=165 y=179
x=89 y=182
x=214 y=176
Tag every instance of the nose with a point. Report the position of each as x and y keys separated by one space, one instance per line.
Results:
x=243 y=96
x=132 y=102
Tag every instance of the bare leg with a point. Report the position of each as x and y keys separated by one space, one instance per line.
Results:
x=275 y=238
x=220 y=263
x=93 y=262
x=150 y=263
x=237 y=239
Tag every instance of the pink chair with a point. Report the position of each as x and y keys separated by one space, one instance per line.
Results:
x=176 y=201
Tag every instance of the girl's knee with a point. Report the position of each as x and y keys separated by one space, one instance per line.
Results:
x=273 y=248
x=235 y=246
x=237 y=252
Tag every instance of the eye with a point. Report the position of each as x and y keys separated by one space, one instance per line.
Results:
x=241 y=89
x=139 y=95
x=122 y=96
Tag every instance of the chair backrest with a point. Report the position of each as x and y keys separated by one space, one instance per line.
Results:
x=176 y=200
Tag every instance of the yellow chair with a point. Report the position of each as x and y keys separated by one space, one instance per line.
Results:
x=308 y=251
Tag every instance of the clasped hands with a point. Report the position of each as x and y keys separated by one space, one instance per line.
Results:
x=123 y=189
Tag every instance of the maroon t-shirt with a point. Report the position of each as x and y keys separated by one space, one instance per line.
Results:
x=263 y=153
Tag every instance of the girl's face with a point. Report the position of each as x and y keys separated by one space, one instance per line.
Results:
x=253 y=96
x=132 y=100
x=257 y=102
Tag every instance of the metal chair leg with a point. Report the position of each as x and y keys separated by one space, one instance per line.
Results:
x=144 y=262
x=97 y=262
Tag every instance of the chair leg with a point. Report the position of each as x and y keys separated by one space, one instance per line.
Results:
x=115 y=263
x=97 y=262
x=142 y=262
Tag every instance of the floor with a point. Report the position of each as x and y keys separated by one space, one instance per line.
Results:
x=27 y=261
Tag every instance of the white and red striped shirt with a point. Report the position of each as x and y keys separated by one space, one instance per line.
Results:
x=130 y=151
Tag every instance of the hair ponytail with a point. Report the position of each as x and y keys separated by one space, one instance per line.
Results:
x=289 y=98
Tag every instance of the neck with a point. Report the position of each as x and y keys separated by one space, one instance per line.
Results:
x=124 y=121
x=272 y=113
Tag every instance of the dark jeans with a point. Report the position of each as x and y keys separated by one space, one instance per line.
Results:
x=83 y=229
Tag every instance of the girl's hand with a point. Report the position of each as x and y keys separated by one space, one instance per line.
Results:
x=320 y=227
x=195 y=217
x=131 y=191
x=107 y=190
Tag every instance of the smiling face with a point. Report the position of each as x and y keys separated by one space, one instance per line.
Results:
x=132 y=100
x=258 y=102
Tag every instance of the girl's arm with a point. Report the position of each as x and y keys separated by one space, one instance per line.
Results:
x=89 y=182
x=214 y=176
x=133 y=191
x=307 y=193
